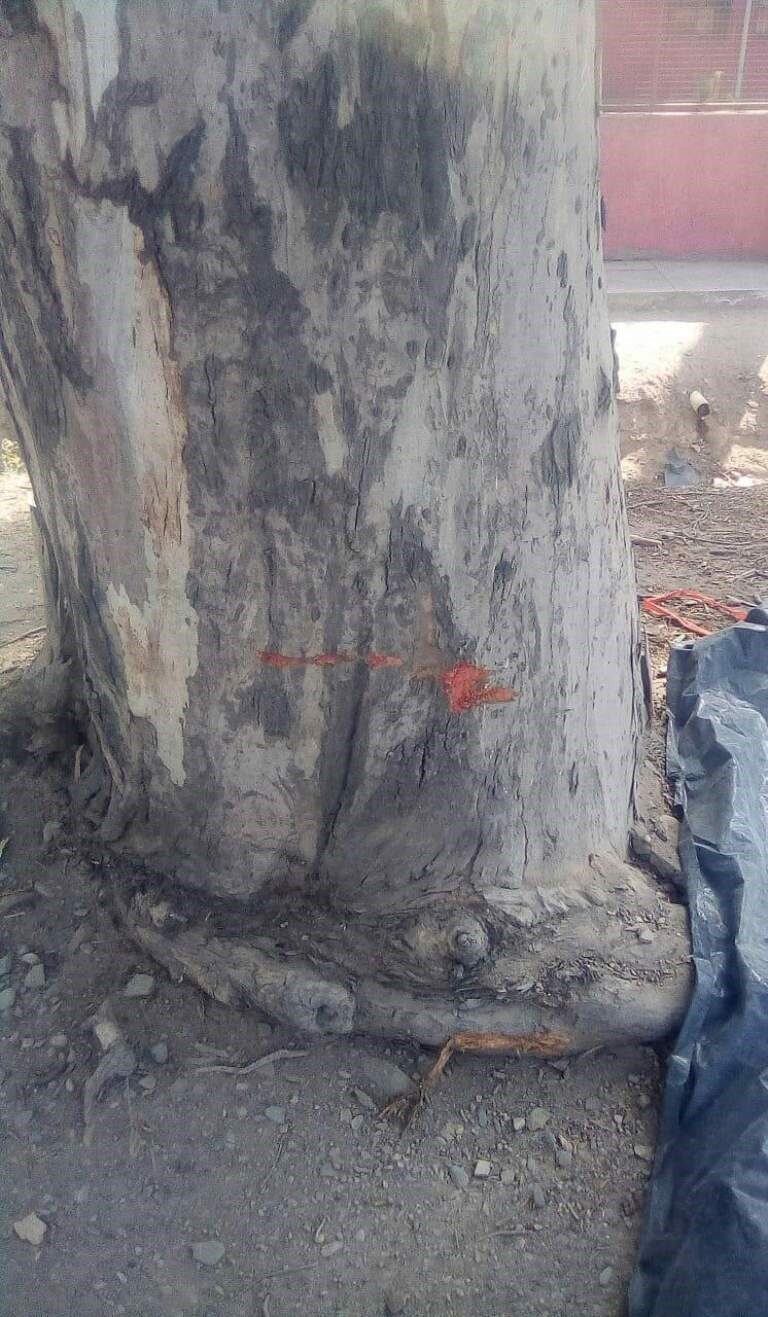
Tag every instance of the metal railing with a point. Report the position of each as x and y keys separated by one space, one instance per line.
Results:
x=684 y=52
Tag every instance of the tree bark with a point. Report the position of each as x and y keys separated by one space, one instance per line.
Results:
x=303 y=333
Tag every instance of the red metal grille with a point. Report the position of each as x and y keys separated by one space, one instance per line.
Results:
x=705 y=52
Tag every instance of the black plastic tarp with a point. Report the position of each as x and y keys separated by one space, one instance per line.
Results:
x=704 y=1250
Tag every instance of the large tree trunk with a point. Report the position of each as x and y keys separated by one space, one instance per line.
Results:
x=303 y=333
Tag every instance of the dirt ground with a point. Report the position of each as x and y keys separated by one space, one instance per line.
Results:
x=318 y=1205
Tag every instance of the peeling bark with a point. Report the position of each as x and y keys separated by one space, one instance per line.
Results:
x=303 y=335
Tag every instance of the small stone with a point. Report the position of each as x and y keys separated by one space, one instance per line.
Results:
x=643 y=1152
x=7 y=998
x=538 y=1118
x=482 y=1169
x=31 y=1229
x=50 y=830
x=159 y=1053
x=483 y=1119
x=640 y=843
x=208 y=1252
x=459 y=1176
x=35 y=977
x=356 y=1124
x=387 y=1080
x=645 y=936
x=330 y=1250
x=275 y=1114
x=606 y=1276
x=538 y=1196
x=596 y=896
x=507 y=1176
x=160 y=913
x=148 y=1083
x=140 y=985
x=364 y=1099
x=327 y=1171
x=5 y=966
x=59 y=1041
x=659 y=847
x=564 y=1159
x=643 y=1101
x=518 y=1124
x=30 y=958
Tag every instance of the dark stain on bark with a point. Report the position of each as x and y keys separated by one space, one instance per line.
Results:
x=604 y=391
x=559 y=455
x=291 y=15
x=121 y=95
x=32 y=207
x=393 y=154
x=391 y=157
x=267 y=701
x=20 y=15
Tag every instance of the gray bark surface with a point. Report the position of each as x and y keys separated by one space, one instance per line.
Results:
x=303 y=334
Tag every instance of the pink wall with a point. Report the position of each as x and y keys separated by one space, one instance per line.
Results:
x=688 y=183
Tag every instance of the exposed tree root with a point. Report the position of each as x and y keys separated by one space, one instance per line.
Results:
x=600 y=959
x=542 y=1043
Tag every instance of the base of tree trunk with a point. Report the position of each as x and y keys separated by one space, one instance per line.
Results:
x=600 y=956
x=601 y=959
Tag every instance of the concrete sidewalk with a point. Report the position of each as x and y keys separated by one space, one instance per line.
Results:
x=694 y=276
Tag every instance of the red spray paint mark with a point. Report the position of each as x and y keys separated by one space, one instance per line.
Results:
x=465 y=685
x=281 y=660
x=327 y=660
x=383 y=661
